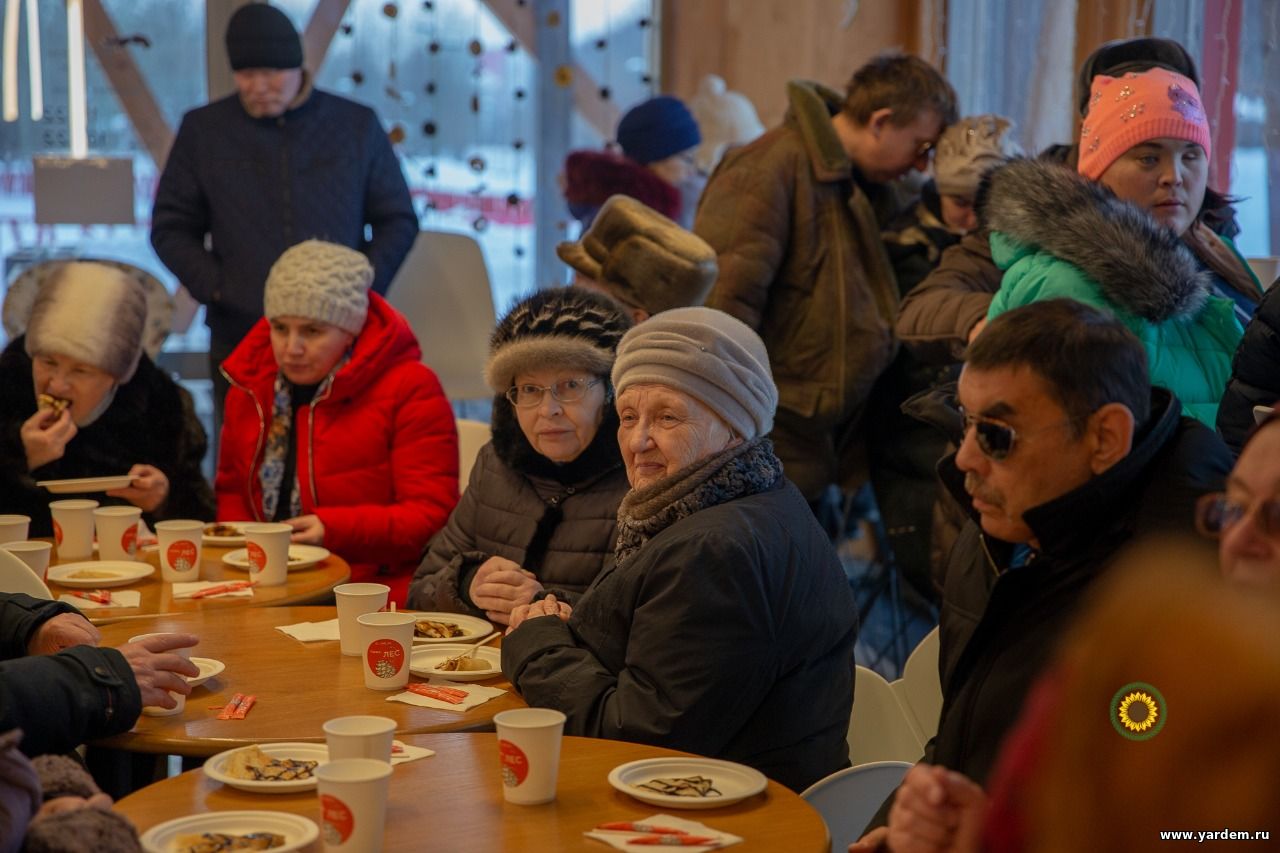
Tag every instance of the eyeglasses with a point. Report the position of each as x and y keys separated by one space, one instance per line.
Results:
x=925 y=147
x=995 y=439
x=1216 y=514
x=564 y=391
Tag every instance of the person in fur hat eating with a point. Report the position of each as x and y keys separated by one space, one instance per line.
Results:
x=79 y=398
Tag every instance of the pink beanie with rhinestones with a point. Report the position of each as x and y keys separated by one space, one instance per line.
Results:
x=1140 y=106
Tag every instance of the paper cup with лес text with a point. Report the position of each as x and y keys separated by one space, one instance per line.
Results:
x=353 y=804
x=117 y=532
x=267 y=547
x=73 y=529
x=155 y=710
x=180 y=546
x=529 y=749
x=354 y=600
x=387 y=639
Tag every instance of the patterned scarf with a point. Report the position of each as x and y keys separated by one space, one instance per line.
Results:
x=747 y=469
x=277 y=445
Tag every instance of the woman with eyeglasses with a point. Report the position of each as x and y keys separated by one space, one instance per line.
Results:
x=540 y=510
x=1246 y=517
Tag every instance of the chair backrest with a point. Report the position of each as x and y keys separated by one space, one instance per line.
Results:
x=849 y=798
x=16 y=576
x=879 y=729
x=919 y=690
x=1265 y=268
x=442 y=289
x=472 y=435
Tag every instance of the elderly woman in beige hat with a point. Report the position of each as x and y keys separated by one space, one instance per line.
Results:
x=726 y=627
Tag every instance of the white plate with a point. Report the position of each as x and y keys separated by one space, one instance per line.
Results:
x=123 y=572
x=735 y=782
x=85 y=484
x=208 y=669
x=298 y=831
x=224 y=541
x=473 y=628
x=423 y=660
x=213 y=768
x=300 y=557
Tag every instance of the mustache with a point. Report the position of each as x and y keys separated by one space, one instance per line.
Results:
x=975 y=488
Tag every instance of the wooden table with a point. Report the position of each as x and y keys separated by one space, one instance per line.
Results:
x=298 y=685
x=452 y=801
x=304 y=586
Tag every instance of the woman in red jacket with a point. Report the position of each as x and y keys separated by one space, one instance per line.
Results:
x=333 y=424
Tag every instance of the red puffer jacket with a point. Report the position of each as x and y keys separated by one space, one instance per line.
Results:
x=377 y=454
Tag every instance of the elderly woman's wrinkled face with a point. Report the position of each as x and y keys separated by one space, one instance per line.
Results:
x=560 y=429
x=307 y=350
x=662 y=430
x=1248 y=550
x=61 y=376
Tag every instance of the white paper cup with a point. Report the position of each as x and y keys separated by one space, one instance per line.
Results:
x=354 y=600
x=155 y=710
x=529 y=749
x=14 y=528
x=386 y=640
x=117 y=532
x=268 y=548
x=360 y=737
x=73 y=528
x=353 y=804
x=180 y=545
x=34 y=554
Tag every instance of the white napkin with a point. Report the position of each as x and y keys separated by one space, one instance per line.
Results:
x=618 y=839
x=311 y=632
x=119 y=598
x=186 y=590
x=476 y=695
x=408 y=753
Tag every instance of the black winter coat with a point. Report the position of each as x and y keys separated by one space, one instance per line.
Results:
x=1255 y=373
x=323 y=170
x=151 y=421
x=728 y=634
x=60 y=700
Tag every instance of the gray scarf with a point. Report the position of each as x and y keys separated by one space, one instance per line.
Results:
x=746 y=469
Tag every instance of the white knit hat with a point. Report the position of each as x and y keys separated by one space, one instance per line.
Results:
x=725 y=118
x=320 y=281
x=92 y=313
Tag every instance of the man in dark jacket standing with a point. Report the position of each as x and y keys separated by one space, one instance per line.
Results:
x=1068 y=457
x=277 y=163
x=795 y=218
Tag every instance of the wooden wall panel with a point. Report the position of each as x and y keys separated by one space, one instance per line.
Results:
x=758 y=45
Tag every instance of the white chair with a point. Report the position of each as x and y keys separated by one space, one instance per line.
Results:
x=919 y=689
x=849 y=798
x=1265 y=268
x=442 y=289
x=16 y=576
x=472 y=435
x=879 y=729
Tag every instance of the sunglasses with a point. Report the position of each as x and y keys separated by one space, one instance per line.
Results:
x=1216 y=514
x=996 y=439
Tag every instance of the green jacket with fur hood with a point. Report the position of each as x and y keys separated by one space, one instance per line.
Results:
x=1058 y=235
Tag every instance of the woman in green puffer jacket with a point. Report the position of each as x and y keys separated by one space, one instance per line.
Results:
x=1124 y=235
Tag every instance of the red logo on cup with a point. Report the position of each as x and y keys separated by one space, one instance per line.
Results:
x=129 y=541
x=385 y=657
x=181 y=555
x=57 y=533
x=515 y=765
x=337 y=818
x=257 y=556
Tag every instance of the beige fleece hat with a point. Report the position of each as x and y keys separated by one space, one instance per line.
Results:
x=320 y=281
x=642 y=257
x=709 y=355
x=90 y=312
x=970 y=148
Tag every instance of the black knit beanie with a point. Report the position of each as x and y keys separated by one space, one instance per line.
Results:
x=261 y=36
x=558 y=327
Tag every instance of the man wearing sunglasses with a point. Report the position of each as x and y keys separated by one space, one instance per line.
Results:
x=1068 y=457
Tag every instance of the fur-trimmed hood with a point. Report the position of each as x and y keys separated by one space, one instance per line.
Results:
x=1139 y=265
x=591 y=177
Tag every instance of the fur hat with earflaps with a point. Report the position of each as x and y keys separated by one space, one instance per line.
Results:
x=562 y=327
x=92 y=313
x=643 y=257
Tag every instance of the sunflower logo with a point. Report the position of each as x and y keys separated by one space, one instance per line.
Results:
x=1138 y=711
